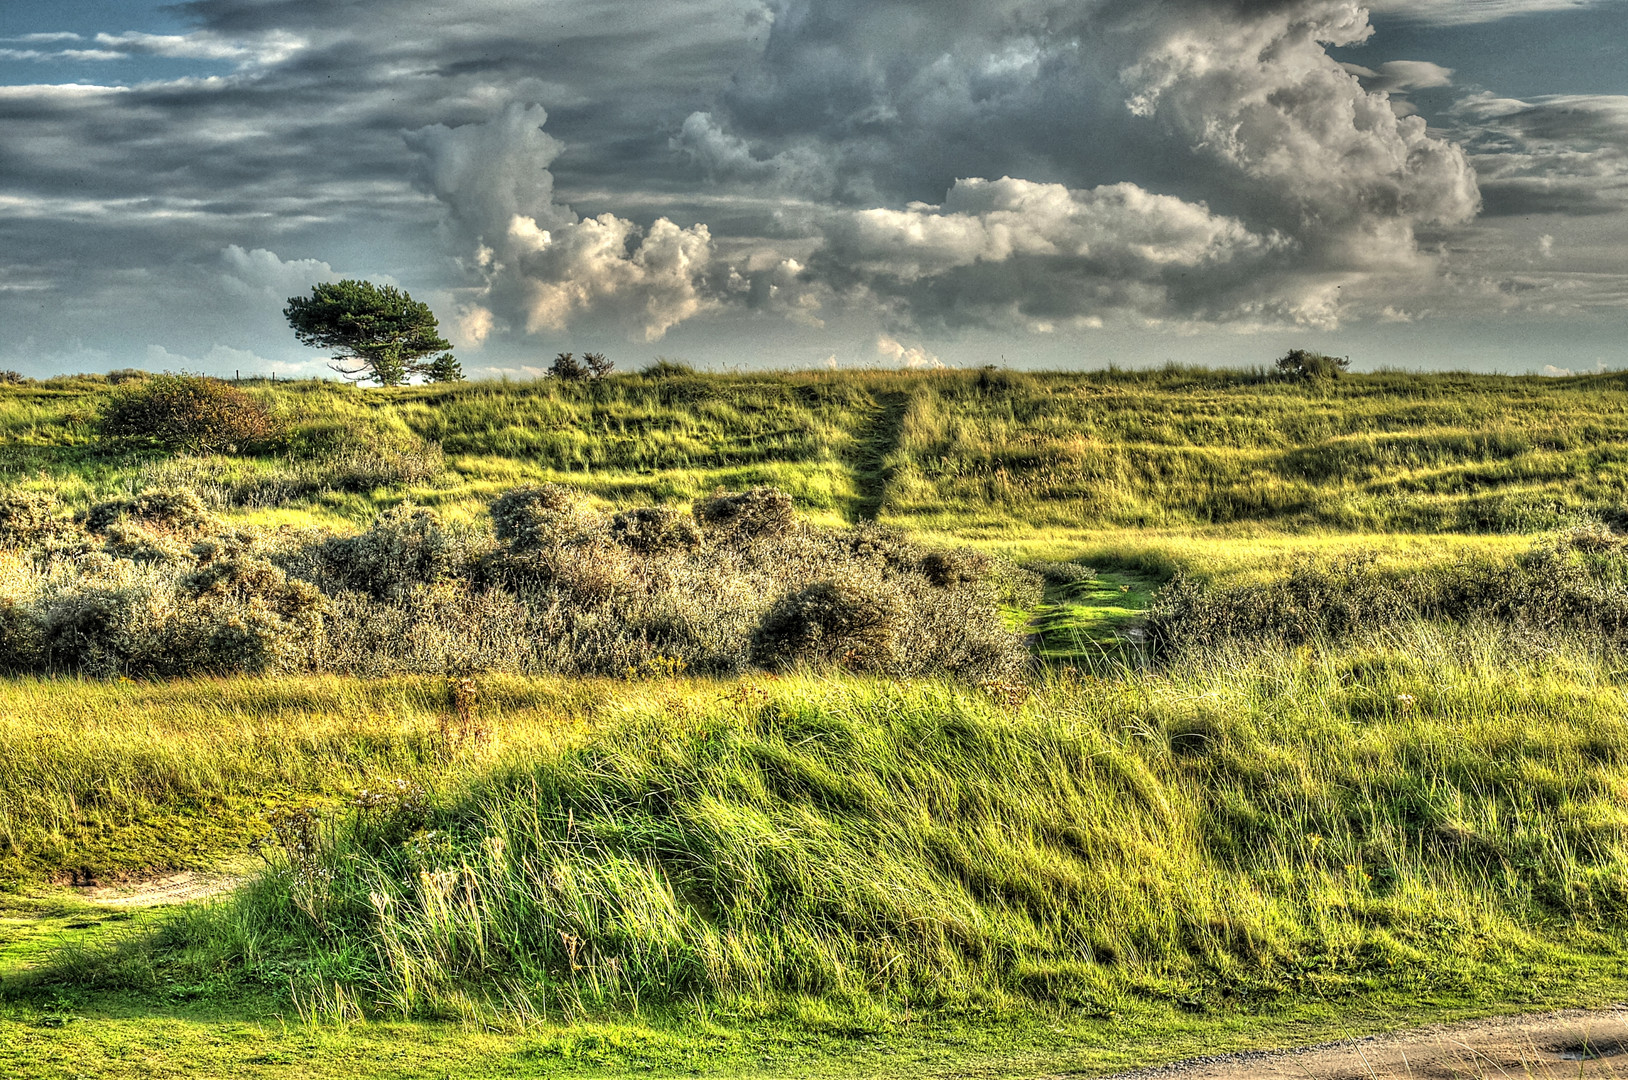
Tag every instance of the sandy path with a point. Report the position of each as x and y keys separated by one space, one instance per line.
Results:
x=174 y=888
x=1575 y=1043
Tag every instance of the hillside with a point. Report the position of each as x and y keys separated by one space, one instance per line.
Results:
x=990 y=454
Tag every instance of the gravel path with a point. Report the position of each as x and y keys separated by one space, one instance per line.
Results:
x=1574 y=1043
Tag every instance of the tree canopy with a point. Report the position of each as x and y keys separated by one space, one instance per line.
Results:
x=376 y=332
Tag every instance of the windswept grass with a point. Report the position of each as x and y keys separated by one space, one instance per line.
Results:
x=1432 y=813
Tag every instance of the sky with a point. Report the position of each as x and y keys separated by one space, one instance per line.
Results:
x=739 y=184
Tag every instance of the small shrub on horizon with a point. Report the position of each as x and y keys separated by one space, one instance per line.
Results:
x=1310 y=366
x=663 y=368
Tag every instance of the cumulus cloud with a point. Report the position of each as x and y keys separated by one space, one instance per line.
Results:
x=1313 y=193
x=1175 y=163
x=912 y=357
x=261 y=274
x=1258 y=94
x=1119 y=228
x=541 y=262
x=473 y=326
x=725 y=157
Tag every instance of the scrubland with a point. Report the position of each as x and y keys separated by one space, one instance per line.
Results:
x=1031 y=724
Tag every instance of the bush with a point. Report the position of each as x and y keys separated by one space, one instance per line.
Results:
x=1059 y=574
x=567 y=368
x=886 y=548
x=538 y=515
x=849 y=624
x=245 y=615
x=405 y=547
x=1569 y=588
x=176 y=511
x=947 y=569
x=664 y=368
x=22 y=644
x=163 y=589
x=191 y=413
x=651 y=530
x=27 y=517
x=1312 y=367
x=761 y=513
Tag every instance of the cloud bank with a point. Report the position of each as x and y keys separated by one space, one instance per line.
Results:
x=790 y=169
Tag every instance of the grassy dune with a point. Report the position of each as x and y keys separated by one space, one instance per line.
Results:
x=994 y=455
x=1435 y=809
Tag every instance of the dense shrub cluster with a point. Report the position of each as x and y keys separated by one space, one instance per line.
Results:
x=192 y=413
x=153 y=584
x=1311 y=366
x=1575 y=585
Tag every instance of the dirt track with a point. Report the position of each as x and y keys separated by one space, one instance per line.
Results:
x=1575 y=1043
x=171 y=889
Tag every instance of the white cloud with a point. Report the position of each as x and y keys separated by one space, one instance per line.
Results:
x=1467 y=12
x=726 y=157
x=543 y=265
x=913 y=357
x=43 y=38
x=1563 y=154
x=57 y=91
x=474 y=325
x=260 y=273
x=1258 y=94
x=1118 y=226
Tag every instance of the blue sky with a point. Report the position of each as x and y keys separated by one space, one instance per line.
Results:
x=744 y=183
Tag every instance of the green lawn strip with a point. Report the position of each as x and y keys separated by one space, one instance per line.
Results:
x=117 y=1035
x=1089 y=619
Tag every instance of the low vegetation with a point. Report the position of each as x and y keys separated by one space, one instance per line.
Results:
x=155 y=586
x=680 y=721
x=1430 y=812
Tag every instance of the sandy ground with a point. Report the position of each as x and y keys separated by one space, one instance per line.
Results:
x=171 y=889
x=1560 y=1044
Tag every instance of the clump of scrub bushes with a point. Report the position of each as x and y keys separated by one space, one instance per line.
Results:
x=1573 y=585
x=191 y=413
x=155 y=585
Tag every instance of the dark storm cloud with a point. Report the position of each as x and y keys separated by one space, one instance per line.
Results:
x=615 y=163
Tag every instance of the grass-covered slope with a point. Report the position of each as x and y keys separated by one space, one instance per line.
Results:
x=1437 y=816
x=962 y=452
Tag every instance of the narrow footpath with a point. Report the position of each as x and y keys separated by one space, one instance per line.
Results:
x=1574 y=1043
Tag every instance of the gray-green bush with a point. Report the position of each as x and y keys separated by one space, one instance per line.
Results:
x=153 y=585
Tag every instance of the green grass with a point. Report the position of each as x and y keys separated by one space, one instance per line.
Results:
x=969 y=454
x=843 y=876
x=1090 y=620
